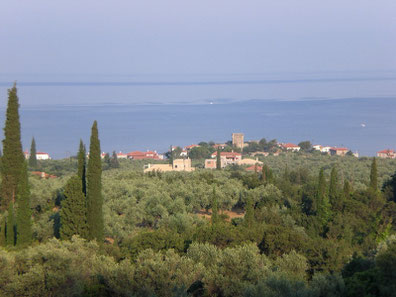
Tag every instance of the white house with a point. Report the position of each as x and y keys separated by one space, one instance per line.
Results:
x=322 y=149
x=42 y=156
x=290 y=147
x=121 y=155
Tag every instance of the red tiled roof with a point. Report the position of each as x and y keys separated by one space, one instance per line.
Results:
x=339 y=149
x=227 y=154
x=253 y=168
x=191 y=146
x=143 y=155
x=286 y=145
x=386 y=152
x=219 y=145
x=41 y=153
x=137 y=153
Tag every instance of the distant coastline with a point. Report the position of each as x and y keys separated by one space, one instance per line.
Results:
x=128 y=127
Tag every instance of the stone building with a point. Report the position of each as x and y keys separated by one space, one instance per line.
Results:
x=237 y=140
x=178 y=165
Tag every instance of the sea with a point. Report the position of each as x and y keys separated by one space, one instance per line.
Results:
x=152 y=112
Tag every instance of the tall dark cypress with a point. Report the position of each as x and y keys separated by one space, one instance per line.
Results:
x=215 y=208
x=82 y=164
x=94 y=188
x=114 y=161
x=323 y=205
x=347 y=190
x=33 y=157
x=264 y=174
x=374 y=176
x=23 y=213
x=218 y=159
x=13 y=158
x=10 y=228
x=249 y=214
x=171 y=157
x=333 y=189
x=2 y=231
x=73 y=211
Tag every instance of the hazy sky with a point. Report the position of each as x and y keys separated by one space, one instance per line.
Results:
x=190 y=37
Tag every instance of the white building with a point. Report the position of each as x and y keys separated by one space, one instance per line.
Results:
x=121 y=155
x=290 y=147
x=322 y=149
x=42 y=156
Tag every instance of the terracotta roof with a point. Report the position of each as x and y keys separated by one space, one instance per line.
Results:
x=386 y=152
x=253 y=168
x=41 y=153
x=138 y=153
x=286 y=145
x=227 y=154
x=339 y=149
x=191 y=146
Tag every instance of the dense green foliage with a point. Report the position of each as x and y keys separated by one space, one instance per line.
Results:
x=13 y=158
x=94 y=188
x=158 y=245
x=218 y=159
x=81 y=166
x=33 y=157
x=73 y=212
x=15 y=194
x=24 y=213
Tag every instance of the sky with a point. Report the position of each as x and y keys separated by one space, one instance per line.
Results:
x=84 y=40
x=193 y=52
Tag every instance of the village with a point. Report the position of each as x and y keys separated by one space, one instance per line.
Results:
x=234 y=152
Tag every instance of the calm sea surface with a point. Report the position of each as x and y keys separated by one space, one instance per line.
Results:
x=358 y=111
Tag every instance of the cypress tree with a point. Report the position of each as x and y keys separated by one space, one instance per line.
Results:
x=171 y=156
x=215 y=208
x=13 y=158
x=106 y=160
x=264 y=174
x=323 y=205
x=33 y=157
x=218 y=159
x=94 y=188
x=82 y=164
x=374 y=176
x=333 y=189
x=249 y=215
x=73 y=211
x=24 y=213
x=114 y=161
x=347 y=189
x=10 y=228
x=2 y=231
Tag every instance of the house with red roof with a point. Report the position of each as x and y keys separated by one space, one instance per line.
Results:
x=389 y=154
x=226 y=158
x=42 y=174
x=254 y=168
x=339 y=151
x=189 y=147
x=290 y=147
x=221 y=146
x=137 y=155
x=121 y=155
x=39 y=155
